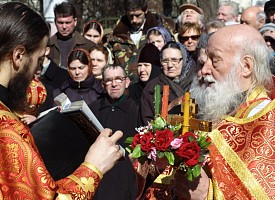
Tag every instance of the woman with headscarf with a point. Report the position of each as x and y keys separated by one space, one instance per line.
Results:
x=158 y=36
x=82 y=85
x=93 y=31
x=178 y=72
x=149 y=67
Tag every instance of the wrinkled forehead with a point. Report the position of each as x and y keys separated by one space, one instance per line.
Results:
x=218 y=42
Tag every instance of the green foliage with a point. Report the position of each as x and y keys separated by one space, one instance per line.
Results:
x=193 y=172
x=129 y=140
x=170 y=157
x=158 y=124
x=137 y=152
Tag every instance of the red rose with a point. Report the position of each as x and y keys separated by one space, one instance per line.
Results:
x=146 y=141
x=136 y=140
x=185 y=137
x=163 y=139
x=190 y=152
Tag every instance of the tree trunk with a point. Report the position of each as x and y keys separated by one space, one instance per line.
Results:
x=209 y=8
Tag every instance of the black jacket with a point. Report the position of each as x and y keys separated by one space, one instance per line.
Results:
x=54 y=76
x=88 y=90
x=120 y=181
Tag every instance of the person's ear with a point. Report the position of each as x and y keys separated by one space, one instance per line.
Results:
x=127 y=81
x=47 y=51
x=247 y=66
x=261 y=22
x=18 y=57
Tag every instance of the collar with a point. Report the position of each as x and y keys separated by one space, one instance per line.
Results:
x=139 y=30
x=121 y=104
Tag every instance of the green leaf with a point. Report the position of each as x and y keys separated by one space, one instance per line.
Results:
x=128 y=149
x=191 y=139
x=196 y=171
x=129 y=140
x=201 y=159
x=160 y=154
x=189 y=174
x=205 y=145
x=170 y=157
x=177 y=127
x=137 y=152
x=159 y=123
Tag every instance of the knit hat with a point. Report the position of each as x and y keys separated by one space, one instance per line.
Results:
x=269 y=5
x=150 y=54
x=267 y=27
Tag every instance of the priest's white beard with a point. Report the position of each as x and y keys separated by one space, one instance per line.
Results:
x=220 y=99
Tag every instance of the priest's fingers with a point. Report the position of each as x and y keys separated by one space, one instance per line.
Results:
x=116 y=136
x=104 y=152
x=106 y=132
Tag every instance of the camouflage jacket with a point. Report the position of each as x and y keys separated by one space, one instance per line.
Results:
x=124 y=51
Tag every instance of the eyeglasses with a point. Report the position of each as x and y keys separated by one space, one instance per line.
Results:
x=174 y=61
x=116 y=79
x=186 y=38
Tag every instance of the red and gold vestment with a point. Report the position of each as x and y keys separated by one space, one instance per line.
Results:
x=23 y=174
x=242 y=152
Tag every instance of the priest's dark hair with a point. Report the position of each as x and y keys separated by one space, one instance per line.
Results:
x=20 y=25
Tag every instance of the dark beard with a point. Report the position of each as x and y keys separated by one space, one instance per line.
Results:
x=17 y=87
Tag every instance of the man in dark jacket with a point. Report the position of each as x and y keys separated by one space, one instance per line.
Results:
x=66 y=38
x=119 y=112
x=51 y=74
x=129 y=35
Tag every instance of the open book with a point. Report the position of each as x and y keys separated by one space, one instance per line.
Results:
x=79 y=113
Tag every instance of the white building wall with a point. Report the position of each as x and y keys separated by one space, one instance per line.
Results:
x=48 y=6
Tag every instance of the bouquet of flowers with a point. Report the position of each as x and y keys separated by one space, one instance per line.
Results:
x=158 y=141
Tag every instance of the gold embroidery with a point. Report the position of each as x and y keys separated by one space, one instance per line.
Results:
x=217 y=192
x=90 y=166
x=10 y=154
x=238 y=166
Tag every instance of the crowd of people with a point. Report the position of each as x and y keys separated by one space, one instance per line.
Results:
x=227 y=65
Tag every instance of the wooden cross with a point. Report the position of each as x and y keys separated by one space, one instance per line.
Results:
x=190 y=110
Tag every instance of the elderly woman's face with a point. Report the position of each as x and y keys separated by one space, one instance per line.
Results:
x=172 y=62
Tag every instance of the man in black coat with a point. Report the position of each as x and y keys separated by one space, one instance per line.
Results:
x=117 y=111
